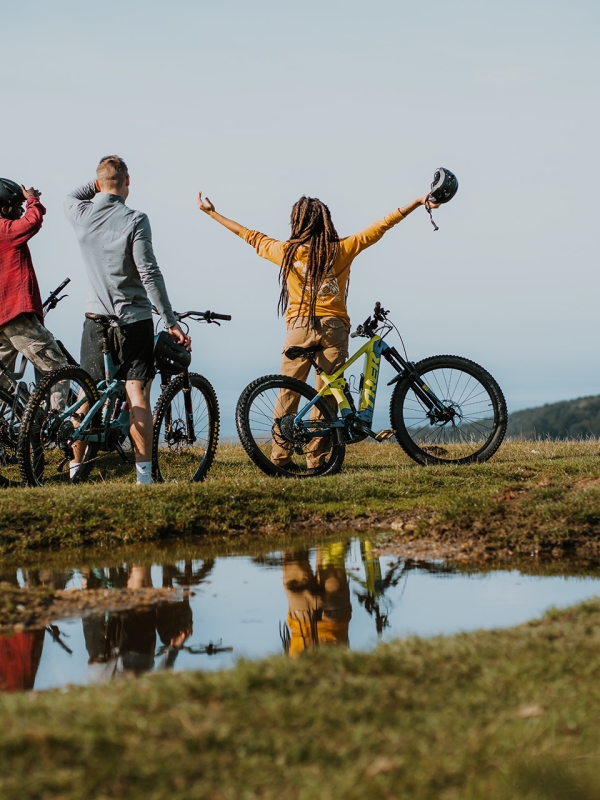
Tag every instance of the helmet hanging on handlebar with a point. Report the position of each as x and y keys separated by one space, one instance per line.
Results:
x=169 y=356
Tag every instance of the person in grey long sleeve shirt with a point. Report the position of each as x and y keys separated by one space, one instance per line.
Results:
x=124 y=282
x=116 y=245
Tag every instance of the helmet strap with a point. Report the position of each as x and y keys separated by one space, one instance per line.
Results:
x=428 y=207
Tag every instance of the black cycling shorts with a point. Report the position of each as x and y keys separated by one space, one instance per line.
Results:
x=132 y=348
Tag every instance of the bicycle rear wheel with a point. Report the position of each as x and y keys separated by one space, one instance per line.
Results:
x=479 y=416
x=45 y=438
x=174 y=457
x=265 y=421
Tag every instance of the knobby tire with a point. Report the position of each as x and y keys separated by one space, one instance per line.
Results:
x=173 y=459
x=256 y=427
x=476 y=395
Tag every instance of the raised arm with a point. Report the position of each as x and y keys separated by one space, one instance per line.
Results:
x=78 y=200
x=365 y=238
x=204 y=204
x=268 y=248
x=21 y=230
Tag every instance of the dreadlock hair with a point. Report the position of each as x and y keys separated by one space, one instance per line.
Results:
x=311 y=226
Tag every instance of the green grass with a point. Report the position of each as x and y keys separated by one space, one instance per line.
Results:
x=521 y=501
x=509 y=714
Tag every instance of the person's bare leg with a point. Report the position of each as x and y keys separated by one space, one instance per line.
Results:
x=138 y=399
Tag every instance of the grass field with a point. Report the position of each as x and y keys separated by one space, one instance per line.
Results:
x=531 y=497
x=509 y=714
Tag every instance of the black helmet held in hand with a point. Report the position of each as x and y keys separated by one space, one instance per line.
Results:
x=444 y=185
x=169 y=356
x=10 y=193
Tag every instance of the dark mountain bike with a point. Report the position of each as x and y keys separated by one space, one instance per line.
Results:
x=444 y=410
x=68 y=408
x=14 y=396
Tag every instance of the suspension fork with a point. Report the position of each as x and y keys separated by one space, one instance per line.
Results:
x=189 y=412
x=406 y=369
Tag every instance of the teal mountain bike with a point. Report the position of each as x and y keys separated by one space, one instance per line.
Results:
x=444 y=410
x=68 y=409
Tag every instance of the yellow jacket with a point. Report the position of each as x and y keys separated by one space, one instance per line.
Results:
x=331 y=300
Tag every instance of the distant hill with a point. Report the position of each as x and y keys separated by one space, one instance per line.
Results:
x=569 y=419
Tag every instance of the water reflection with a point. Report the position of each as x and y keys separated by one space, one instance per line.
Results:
x=21 y=653
x=293 y=601
x=319 y=600
x=126 y=642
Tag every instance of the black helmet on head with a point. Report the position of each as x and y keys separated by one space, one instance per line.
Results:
x=10 y=192
x=169 y=356
x=444 y=185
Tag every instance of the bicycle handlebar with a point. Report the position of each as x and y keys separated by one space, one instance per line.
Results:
x=371 y=324
x=53 y=299
x=198 y=316
x=207 y=316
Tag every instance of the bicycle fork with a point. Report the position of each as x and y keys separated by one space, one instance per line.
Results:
x=189 y=412
x=437 y=411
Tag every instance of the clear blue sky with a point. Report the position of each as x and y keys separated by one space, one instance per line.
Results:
x=257 y=103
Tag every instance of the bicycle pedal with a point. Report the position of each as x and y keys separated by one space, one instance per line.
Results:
x=386 y=433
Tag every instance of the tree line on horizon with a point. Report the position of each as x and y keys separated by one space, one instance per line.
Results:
x=568 y=419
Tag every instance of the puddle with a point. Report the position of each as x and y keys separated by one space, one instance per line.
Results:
x=228 y=607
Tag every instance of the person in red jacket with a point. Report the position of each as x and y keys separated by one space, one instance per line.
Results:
x=21 y=316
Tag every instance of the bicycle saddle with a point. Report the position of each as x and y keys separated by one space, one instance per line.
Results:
x=302 y=352
x=101 y=319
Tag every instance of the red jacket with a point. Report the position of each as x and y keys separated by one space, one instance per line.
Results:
x=19 y=290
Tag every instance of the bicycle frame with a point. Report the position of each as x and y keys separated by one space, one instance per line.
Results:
x=336 y=385
x=111 y=391
x=20 y=388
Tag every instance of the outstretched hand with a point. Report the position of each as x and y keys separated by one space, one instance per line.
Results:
x=205 y=204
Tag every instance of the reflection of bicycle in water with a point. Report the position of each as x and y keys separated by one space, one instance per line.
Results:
x=372 y=594
x=319 y=599
x=445 y=409
x=126 y=641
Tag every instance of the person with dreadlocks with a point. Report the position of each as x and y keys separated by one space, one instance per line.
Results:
x=314 y=278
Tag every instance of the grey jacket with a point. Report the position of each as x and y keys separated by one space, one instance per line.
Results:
x=116 y=245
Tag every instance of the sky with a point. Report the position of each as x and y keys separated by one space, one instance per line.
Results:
x=258 y=103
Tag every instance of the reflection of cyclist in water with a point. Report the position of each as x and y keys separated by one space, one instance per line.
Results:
x=319 y=602
x=21 y=653
x=119 y=642
x=315 y=271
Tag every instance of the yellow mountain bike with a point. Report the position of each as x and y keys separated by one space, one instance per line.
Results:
x=444 y=409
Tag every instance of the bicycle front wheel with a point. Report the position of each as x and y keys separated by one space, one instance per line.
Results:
x=478 y=415
x=265 y=421
x=54 y=411
x=176 y=455
x=10 y=420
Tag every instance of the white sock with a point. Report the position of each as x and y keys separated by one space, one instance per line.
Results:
x=144 y=471
x=73 y=467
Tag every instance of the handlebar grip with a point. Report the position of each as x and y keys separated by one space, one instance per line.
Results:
x=62 y=286
x=226 y=317
x=354 y=334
